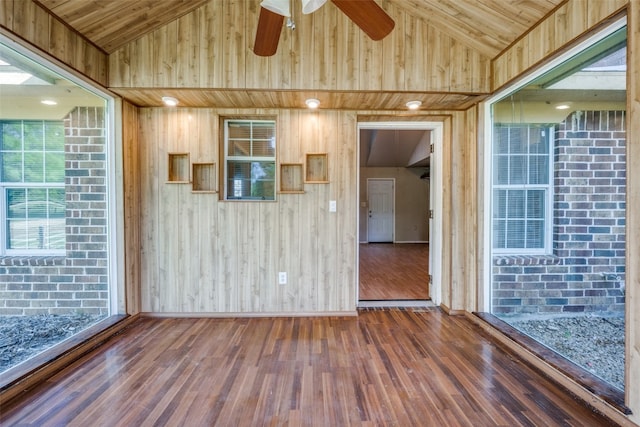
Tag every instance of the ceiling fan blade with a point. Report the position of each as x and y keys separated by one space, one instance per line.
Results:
x=268 y=33
x=366 y=14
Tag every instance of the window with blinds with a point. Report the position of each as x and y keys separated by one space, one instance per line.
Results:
x=522 y=188
x=32 y=171
x=250 y=159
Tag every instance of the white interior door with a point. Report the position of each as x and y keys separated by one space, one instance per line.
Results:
x=380 y=194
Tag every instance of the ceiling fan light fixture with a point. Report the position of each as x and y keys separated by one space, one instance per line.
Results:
x=312 y=103
x=169 y=101
x=413 y=105
x=310 y=6
x=281 y=7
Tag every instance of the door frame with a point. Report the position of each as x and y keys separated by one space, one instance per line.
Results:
x=436 y=202
x=393 y=201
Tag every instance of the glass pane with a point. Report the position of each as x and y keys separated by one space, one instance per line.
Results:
x=501 y=170
x=54 y=167
x=501 y=140
x=54 y=136
x=515 y=234
x=515 y=204
x=539 y=140
x=33 y=136
x=500 y=204
x=535 y=234
x=518 y=140
x=239 y=148
x=518 y=170
x=33 y=167
x=11 y=138
x=36 y=203
x=12 y=167
x=535 y=204
x=16 y=202
x=56 y=203
x=539 y=169
x=264 y=148
x=264 y=131
x=499 y=232
x=239 y=130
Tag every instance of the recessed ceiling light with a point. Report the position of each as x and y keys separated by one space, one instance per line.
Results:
x=169 y=101
x=48 y=102
x=413 y=105
x=312 y=103
x=563 y=106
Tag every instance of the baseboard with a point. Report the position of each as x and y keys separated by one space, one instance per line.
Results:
x=249 y=314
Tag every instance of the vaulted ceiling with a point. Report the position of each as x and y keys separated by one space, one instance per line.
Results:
x=487 y=26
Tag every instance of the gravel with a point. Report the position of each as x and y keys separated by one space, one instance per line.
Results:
x=22 y=337
x=595 y=343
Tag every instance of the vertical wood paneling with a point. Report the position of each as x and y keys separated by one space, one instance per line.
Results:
x=568 y=22
x=470 y=222
x=632 y=345
x=32 y=23
x=207 y=255
x=325 y=52
x=459 y=211
x=132 y=205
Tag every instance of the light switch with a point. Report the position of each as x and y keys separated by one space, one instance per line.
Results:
x=332 y=206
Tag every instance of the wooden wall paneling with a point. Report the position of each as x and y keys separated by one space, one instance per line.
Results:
x=165 y=55
x=459 y=211
x=416 y=69
x=6 y=14
x=598 y=10
x=132 y=208
x=370 y=66
x=150 y=181
x=266 y=283
x=346 y=185
x=211 y=35
x=234 y=45
x=471 y=201
x=440 y=57
x=257 y=68
x=325 y=41
x=142 y=57
x=446 y=276
x=188 y=51
x=632 y=344
x=347 y=53
x=61 y=41
x=394 y=52
x=32 y=23
x=571 y=21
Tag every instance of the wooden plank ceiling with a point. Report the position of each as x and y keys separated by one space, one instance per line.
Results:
x=488 y=26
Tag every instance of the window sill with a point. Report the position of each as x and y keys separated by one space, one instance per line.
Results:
x=526 y=260
x=35 y=260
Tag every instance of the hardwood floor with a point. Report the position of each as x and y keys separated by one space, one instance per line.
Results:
x=391 y=271
x=385 y=367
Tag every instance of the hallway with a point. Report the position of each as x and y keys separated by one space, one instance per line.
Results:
x=390 y=271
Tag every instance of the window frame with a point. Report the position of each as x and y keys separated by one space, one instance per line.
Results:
x=17 y=185
x=548 y=188
x=248 y=159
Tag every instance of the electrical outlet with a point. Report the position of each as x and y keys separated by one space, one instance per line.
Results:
x=282 y=277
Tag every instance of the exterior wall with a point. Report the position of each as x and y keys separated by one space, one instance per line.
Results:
x=586 y=272
x=77 y=282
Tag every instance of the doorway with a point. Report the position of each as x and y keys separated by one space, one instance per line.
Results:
x=395 y=197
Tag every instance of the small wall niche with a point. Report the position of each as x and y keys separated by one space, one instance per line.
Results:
x=204 y=178
x=317 y=170
x=291 y=180
x=178 y=167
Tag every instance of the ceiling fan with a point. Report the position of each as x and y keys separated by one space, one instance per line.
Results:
x=366 y=14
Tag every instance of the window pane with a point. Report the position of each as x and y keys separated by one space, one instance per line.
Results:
x=54 y=136
x=239 y=148
x=239 y=130
x=501 y=143
x=538 y=140
x=535 y=234
x=12 y=167
x=264 y=148
x=33 y=167
x=54 y=167
x=35 y=218
x=499 y=231
x=518 y=140
x=33 y=136
x=264 y=130
x=535 y=204
x=501 y=170
x=515 y=234
x=11 y=138
x=538 y=169
x=516 y=203
x=518 y=170
x=500 y=204
x=251 y=180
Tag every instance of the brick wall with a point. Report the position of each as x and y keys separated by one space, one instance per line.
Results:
x=77 y=282
x=586 y=271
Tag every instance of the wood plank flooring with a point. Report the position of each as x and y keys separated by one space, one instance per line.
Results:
x=391 y=271
x=401 y=367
